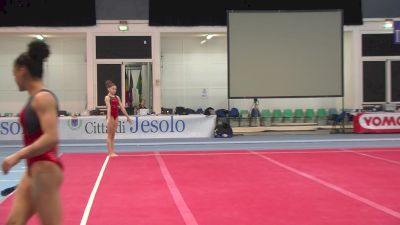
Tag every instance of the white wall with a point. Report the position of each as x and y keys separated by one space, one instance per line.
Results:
x=189 y=67
x=11 y=100
x=178 y=60
x=349 y=75
x=65 y=71
x=193 y=75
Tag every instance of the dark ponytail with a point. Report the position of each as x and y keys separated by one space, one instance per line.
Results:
x=33 y=59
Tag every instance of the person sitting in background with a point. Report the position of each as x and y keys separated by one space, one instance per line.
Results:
x=142 y=104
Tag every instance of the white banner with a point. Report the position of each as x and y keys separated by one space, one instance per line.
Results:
x=94 y=127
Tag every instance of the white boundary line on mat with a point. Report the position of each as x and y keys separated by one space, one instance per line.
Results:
x=230 y=141
x=267 y=152
x=180 y=203
x=86 y=213
x=333 y=187
x=372 y=156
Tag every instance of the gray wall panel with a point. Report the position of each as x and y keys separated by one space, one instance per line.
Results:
x=139 y=9
x=122 y=9
x=381 y=8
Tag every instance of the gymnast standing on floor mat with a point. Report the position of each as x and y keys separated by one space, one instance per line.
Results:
x=112 y=102
x=38 y=190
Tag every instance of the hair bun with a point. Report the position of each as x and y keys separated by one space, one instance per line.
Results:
x=109 y=83
x=38 y=50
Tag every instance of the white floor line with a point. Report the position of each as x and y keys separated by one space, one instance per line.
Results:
x=183 y=154
x=176 y=194
x=333 y=187
x=230 y=141
x=17 y=171
x=93 y=194
x=10 y=180
x=372 y=156
x=273 y=152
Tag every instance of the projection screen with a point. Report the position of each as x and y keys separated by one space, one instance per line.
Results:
x=285 y=54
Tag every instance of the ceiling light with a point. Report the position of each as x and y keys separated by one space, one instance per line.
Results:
x=39 y=37
x=123 y=26
x=209 y=36
x=388 y=24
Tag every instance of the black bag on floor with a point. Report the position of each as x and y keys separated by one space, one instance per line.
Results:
x=8 y=191
x=189 y=111
x=199 y=111
x=166 y=111
x=209 y=111
x=180 y=110
x=223 y=130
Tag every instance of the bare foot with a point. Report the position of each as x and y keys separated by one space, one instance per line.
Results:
x=112 y=155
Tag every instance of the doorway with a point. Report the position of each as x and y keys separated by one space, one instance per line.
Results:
x=138 y=82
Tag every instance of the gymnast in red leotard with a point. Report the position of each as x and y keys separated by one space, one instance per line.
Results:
x=112 y=102
x=32 y=131
x=38 y=190
x=114 y=106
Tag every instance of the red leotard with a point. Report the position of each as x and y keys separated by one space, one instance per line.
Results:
x=114 y=106
x=32 y=131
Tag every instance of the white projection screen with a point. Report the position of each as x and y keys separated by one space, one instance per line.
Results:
x=285 y=54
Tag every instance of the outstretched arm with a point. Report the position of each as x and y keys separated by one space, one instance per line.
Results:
x=123 y=110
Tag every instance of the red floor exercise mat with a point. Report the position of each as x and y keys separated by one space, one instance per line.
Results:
x=133 y=191
x=247 y=189
x=356 y=171
x=310 y=187
x=80 y=174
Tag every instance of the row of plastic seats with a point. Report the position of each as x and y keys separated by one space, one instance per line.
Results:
x=289 y=113
x=6 y=114
x=320 y=115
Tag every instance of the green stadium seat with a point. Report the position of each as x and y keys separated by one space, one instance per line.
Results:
x=322 y=113
x=266 y=116
x=266 y=113
x=309 y=116
x=287 y=115
x=277 y=116
x=322 y=116
x=298 y=115
x=244 y=118
x=8 y=114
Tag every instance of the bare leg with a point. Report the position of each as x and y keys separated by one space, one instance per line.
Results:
x=22 y=208
x=46 y=182
x=110 y=137
x=113 y=136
